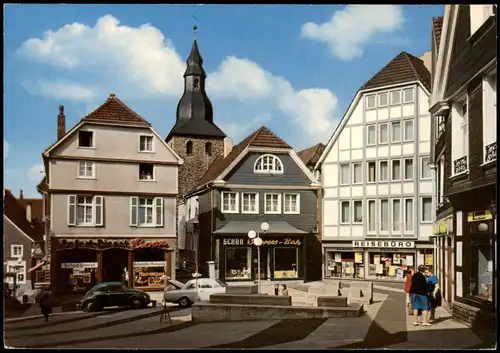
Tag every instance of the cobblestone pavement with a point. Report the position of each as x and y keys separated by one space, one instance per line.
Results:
x=385 y=324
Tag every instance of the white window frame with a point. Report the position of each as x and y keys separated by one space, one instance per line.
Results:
x=412 y=100
x=229 y=194
x=152 y=143
x=97 y=205
x=256 y=211
x=368 y=127
x=92 y=163
x=489 y=111
x=368 y=172
x=297 y=195
x=354 y=182
x=380 y=142
x=279 y=203
x=153 y=177
x=16 y=263
x=405 y=139
x=368 y=202
x=13 y=250
x=388 y=215
x=392 y=169
x=259 y=168
x=341 y=167
x=381 y=105
x=422 y=164
x=367 y=99
x=354 y=212
x=422 y=209
x=405 y=178
x=399 y=95
x=342 y=202
x=380 y=180
x=158 y=212
x=93 y=139
x=393 y=201
x=400 y=131
x=412 y=231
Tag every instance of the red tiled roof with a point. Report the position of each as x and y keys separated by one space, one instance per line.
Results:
x=403 y=68
x=16 y=212
x=114 y=110
x=437 y=26
x=263 y=137
x=310 y=156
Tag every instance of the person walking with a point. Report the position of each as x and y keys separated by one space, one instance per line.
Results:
x=46 y=303
x=276 y=289
x=434 y=293
x=407 y=291
x=419 y=299
x=284 y=291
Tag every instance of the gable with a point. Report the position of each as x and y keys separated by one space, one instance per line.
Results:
x=243 y=173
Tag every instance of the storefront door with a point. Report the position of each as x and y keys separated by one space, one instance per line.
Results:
x=263 y=264
x=114 y=261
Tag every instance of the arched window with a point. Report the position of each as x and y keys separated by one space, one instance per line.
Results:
x=208 y=149
x=189 y=148
x=268 y=164
x=196 y=83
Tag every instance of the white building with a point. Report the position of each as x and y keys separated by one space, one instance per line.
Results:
x=378 y=207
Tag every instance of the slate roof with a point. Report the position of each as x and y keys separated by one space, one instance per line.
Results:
x=114 y=110
x=403 y=68
x=195 y=127
x=15 y=211
x=263 y=137
x=437 y=26
x=36 y=207
x=310 y=156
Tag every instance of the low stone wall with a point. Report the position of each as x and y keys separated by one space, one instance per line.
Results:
x=473 y=316
x=250 y=289
x=332 y=302
x=248 y=299
x=211 y=312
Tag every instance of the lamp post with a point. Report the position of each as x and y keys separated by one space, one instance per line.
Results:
x=257 y=240
x=196 y=275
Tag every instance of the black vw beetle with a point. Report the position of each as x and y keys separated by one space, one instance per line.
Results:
x=110 y=294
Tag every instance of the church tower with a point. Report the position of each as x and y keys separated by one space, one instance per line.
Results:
x=195 y=137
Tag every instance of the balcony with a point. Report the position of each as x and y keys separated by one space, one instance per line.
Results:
x=460 y=165
x=490 y=153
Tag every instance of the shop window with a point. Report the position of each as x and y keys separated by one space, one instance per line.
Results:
x=481 y=263
x=344 y=174
x=344 y=264
x=384 y=215
x=396 y=131
x=78 y=270
x=357 y=173
x=396 y=170
x=390 y=265
x=371 y=135
x=149 y=267
x=272 y=203
x=229 y=202
x=372 y=172
x=250 y=203
x=146 y=172
x=344 y=212
x=285 y=263
x=18 y=267
x=371 y=213
x=86 y=139
x=408 y=168
x=238 y=263
x=383 y=136
x=357 y=211
x=384 y=171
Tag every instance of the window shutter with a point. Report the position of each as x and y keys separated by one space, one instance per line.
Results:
x=134 y=211
x=99 y=211
x=159 y=211
x=71 y=210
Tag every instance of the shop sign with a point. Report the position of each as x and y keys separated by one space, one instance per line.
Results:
x=383 y=244
x=268 y=242
x=479 y=216
x=149 y=263
x=79 y=265
x=37 y=252
x=140 y=243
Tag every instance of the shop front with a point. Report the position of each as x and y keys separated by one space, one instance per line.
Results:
x=444 y=257
x=79 y=264
x=281 y=258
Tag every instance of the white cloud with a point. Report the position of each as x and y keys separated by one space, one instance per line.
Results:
x=353 y=27
x=61 y=90
x=35 y=174
x=5 y=149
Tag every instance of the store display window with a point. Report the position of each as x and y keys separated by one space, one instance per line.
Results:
x=285 y=262
x=390 y=265
x=81 y=275
x=238 y=263
x=149 y=268
x=345 y=264
x=481 y=266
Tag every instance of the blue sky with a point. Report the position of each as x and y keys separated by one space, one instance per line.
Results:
x=292 y=68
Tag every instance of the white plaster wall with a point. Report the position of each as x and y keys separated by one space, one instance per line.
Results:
x=408 y=148
x=396 y=150
x=356 y=137
x=357 y=231
x=344 y=231
x=423 y=102
x=425 y=187
x=330 y=232
x=356 y=154
x=408 y=109
x=344 y=156
x=344 y=192
x=330 y=212
x=330 y=175
x=425 y=147
x=330 y=192
x=333 y=154
x=396 y=112
x=425 y=128
x=371 y=190
x=383 y=151
x=344 y=140
x=425 y=231
x=357 y=114
x=371 y=115
x=409 y=188
x=383 y=189
x=356 y=191
x=396 y=189
x=383 y=113
x=371 y=152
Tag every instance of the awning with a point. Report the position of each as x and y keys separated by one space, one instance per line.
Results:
x=36 y=267
x=238 y=227
x=442 y=226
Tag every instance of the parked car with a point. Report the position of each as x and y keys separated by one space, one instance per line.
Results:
x=173 y=284
x=186 y=296
x=110 y=294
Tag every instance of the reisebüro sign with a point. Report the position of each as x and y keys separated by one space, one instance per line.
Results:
x=383 y=244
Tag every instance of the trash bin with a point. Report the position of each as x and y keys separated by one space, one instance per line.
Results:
x=25 y=298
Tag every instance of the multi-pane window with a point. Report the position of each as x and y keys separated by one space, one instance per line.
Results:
x=383 y=99
x=268 y=164
x=344 y=211
x=146 y=211
x=408 y=130
x=372 y=172
x=408 y=95
x=384 y=171
x=384 y=215
x=86 y=169
x=408 y=168
x=357 y=173
x=85 y=210
x=250 y=202
x=396 y=215
x=425 y=169
x=145 y=143
x=396 y=131
x=371 y=135
x=291 y=203
x=426 y=209
x=395 y=97
x=357 y=206
x=383 y=133
x=344 y=174
x=396 y=170
x=371 y=213
x=16 y=251
x=408 y=204
x=370 y=101
x=272 y=203
x=229 y=202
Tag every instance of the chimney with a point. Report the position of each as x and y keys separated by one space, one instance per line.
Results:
x=427 y=59
x=61 y=123
x=28 y=212
x=228 y=146
x=21 y=196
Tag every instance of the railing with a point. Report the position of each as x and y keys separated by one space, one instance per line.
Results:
x=491 y=152
x=460 y=165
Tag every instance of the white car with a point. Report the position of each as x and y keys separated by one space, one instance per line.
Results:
x=187 y=294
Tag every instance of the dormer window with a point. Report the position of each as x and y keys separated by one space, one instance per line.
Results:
x=268 y=164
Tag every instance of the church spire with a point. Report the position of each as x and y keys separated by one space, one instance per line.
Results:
x=195 y=61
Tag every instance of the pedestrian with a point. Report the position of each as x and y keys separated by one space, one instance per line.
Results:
x=46 y=303
x=276 y=289
x=284 y=291
x=419 y=299
x=434 y=292
x=407 y=291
